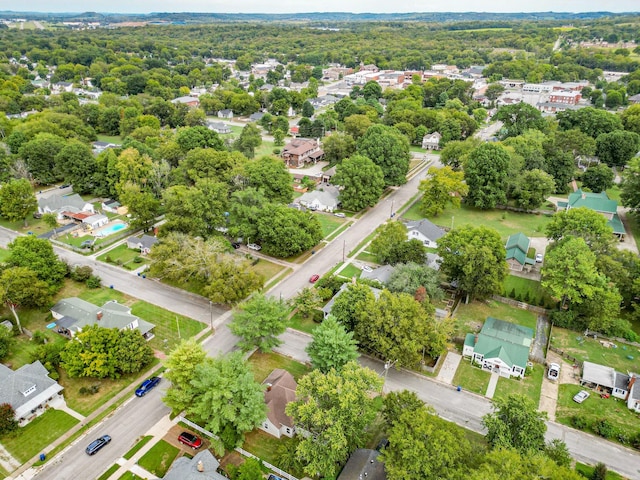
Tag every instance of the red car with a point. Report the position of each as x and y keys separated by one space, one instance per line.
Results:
x=314 y=278
x=190 y=440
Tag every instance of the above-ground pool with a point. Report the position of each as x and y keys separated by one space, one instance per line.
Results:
x=110 y=229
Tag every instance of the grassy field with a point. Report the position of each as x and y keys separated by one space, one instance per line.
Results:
x=529 y=386
x=329 y=223
x=470 y=316
x=471 y=378
x=28 y=441
x=307 y=325
x=267 y=269
x=504 y=222
x=124 y=257
x=595 y=408
x=263 y=364
x=592 y=350
x=266 y=447
x=524 y=286
x=159 y=458
x=350 y=271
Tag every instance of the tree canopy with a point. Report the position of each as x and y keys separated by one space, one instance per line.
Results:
x=259 y=321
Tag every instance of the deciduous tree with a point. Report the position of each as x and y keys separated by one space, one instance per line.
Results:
x=519 y=118
x=349 y=302
x=270 y=175
x=630 y=186
x=388 y=149
x=335 y=426
x=584 y=223
x=598 y=178
x=181 y=366
x=37 y=255
x=532 y=189
x=618 y=147
x=259 y=321
x=474 y=257
x=248 y=140
x=21 y=287
x=284 y=231
x=362 y=182
x=442 y=188
x=486 y=174
x=332 y=346
x=408 y=277
x=17 y=200
x=307 y=302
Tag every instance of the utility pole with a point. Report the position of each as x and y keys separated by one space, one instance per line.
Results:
x=391 y=212
x=344 y=244
x=211 y=315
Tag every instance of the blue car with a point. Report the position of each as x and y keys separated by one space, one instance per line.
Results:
x=146 y=386
x=97 y=444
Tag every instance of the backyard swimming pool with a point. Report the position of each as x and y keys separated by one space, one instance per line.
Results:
x=110 y=229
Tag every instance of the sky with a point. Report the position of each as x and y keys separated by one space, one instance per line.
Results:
x=290 y=6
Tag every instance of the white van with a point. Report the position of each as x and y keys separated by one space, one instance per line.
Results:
x=554 y=371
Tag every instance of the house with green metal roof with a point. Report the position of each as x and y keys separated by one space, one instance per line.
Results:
x=517 y=248
x=599 y=202
x=500 y=347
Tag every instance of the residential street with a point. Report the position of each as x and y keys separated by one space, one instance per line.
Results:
x=125 y=426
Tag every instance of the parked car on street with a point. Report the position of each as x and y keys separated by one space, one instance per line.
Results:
x=314 y=278
x=97 y=444
x=254 y=246
x=190 y=440
x=146 y=386
x=581 y=396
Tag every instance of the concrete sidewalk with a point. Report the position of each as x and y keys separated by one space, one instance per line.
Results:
x=158 y=431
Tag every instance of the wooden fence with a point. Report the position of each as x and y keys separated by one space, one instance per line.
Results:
x=521 y=305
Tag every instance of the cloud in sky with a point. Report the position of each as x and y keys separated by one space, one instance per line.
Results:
x=288 y=6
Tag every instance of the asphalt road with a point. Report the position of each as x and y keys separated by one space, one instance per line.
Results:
x=125 y=426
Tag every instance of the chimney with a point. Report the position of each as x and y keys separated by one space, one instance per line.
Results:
x=269 y=387
x=632 y=380
x=200 y=466
x=99 y=315
x=475 y=339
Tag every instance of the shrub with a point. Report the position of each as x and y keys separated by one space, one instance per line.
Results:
x=81 y=274
x=526 y=297
x=276 y=151
x=600 y=472
x=39 y=337
x=567 y=319
x=108 y=259
x=512 y=293
x=7 y=419
x=580 y=422
x=93 y=282
x=519 y=297
x=604 y=428
x=138 y=259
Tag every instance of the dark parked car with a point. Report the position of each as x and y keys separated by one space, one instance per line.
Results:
x=235 y=245
x=146 y=386
x=97 y=444
x=190 y=440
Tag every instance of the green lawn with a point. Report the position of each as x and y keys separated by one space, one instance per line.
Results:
x=350 y=271
x=130 y=476
x=266 y=447
x=159 y=458
x=4 y=254
x=112 y=469
x=329 y=223
x=124 y=257
x=137 y=447
x=266 y=148
x=307 y=325
x=471 y=378
x=524 y=287
x=30 y=440
x=366 y=240
x=267 y=269
x=592 y=350
x=117 y=139
x=263 y=364
x=595 y=408
x=587 y=470
x=529 y=386
x=504 y=222
x=367 y=257
x=37 y=226
x=473 y=314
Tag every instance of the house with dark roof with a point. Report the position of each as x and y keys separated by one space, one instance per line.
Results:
x=425 y=231
x=143 y=243
x=187 y=100
x=301 y=151
x=219 y=127
x=381 y=274
x=203 y=466
x=110 y=205
x=280 y=390
x=256 y=117
x=598 y=202
x=73 y=314
x=517 y=248
x=58 y=204
x=500 y=347
x=606 y=379
x=363 y=464
x=226 y=113
x=28 y=390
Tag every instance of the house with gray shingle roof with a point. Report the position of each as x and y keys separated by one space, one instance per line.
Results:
x=325 y=200
x=63 y=203
x=517 y=248
x=279 y=392
x=203 y=466
x=143 y=243
x=72 y=314
x=606 y=379
x=381 y=274
x=500 y=347
x=425 y=231
x=28 y=390
x=598 y=202
x=326 y=310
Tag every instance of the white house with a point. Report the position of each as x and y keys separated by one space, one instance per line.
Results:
x=620 y=385
x=280 y=390
x=72 y=314
x=28 y=390
x=431 y=141
x=110 y=205
x=96 y=221
x=225 y=114
x=425 y=231
x=325 y=200
x=219 y=127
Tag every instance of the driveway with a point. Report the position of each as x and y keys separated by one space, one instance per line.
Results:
x=540 y=340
